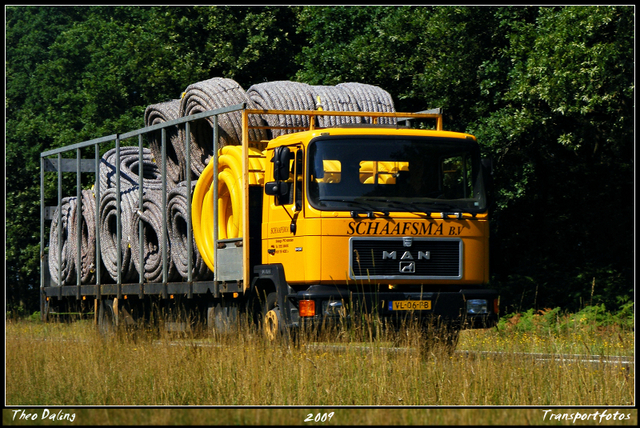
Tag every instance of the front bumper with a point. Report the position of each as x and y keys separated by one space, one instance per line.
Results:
x=465 y=308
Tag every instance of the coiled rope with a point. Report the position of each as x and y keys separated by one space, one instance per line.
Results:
x=332 y=98
x=130 y=169
x=287 y=95
x=65 y=272
x=283 y=95
x=177 y=213
x=175 y=147
x=61 y=267
x=370 y=98
x=210 y=95
x=152 y=229
x=108 y=233
x=131 y=172
x=199 y=97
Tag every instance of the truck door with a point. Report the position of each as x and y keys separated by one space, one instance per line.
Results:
x=283 y=240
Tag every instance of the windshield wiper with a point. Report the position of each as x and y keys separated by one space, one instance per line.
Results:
x=355 y=214
x=441 y=207
x=423 y=207
x=396 y=204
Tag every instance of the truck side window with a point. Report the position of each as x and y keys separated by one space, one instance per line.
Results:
x=298 y=177
x=294 y=183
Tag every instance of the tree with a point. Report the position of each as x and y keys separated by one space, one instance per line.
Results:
x=563 y=139
x=76 y=73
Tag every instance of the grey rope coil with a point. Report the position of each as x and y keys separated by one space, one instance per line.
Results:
x=332 y=98
x=370 y=98
x=108 y=233
x=67 y=270
x=87 y=239
x=177 y=214
x=210 y=95
x=175 y=140
x=152 y=229
x=288 y=95
x=62 y=268
x=151 y=215
x=283 y=95
x=130 y=169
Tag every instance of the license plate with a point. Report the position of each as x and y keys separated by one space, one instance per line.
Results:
x=410 y=305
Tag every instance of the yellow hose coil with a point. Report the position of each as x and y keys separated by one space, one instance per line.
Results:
x=230 y=198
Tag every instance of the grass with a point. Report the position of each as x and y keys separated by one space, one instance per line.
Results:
x=70 y=364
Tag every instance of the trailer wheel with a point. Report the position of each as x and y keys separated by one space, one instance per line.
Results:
x=106 y=318
x=222 y=318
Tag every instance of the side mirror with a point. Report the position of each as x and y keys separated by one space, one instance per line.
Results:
x=281 y=156
x=276 y=188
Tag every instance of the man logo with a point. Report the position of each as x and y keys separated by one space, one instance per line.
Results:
x=408 y=267
x=422 y=255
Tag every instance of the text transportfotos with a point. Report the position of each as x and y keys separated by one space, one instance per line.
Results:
x=596 y=416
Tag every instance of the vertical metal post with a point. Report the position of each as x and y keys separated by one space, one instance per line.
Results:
x=118 y=220
x=96 y=188
x=42 y=266
x=187 y=131
x=78 y=223
x=245 y=200
x=59 y=219
x=140 y=210
x=214 y=185
x=164 y=206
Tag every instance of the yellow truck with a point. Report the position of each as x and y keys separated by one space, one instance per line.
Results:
x=314 y=226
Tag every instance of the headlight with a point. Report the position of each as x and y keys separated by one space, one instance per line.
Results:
x=332 y=308
x=477 y=307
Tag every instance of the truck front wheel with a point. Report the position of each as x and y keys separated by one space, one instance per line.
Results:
x=272 y=319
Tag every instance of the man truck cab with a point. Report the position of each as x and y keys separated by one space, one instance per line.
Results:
x=383 y=217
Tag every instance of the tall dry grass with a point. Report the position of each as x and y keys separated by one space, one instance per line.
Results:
x=71 y=364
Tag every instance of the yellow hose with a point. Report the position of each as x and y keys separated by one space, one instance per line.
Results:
x=230 y=198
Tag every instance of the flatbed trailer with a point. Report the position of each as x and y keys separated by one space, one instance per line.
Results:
x=247 y=267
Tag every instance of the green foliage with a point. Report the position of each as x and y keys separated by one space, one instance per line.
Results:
x=548 y=91
x=557 y=321
x=563 y=148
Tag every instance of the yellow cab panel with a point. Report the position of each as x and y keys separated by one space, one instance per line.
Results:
x=351 y=189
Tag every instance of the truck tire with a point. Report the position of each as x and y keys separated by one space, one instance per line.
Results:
x=272 y=322
x=222 y=318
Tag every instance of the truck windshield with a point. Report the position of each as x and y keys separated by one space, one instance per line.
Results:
x=411 y=174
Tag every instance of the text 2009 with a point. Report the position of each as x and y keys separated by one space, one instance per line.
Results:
x=320 y=417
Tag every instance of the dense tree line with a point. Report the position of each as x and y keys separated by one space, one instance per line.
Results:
x=547 y=90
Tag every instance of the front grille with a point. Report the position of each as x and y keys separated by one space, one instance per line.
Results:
x=405 y=258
